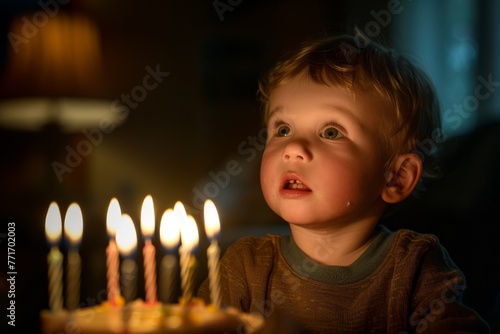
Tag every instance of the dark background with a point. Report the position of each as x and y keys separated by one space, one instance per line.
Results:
x=204 y=115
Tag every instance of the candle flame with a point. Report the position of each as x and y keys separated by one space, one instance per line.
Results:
x=212 y=222
x=148 y=217
x=113 y=217
x=126 y=237
x=53 y=224
x=189 y=234
x=73 y=223
x=180 y=212
x=169 y=229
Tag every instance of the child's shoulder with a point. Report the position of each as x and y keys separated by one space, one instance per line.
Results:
x=252 y=255
x=265 y=243
x=408 y=238
x=412 y=246
x=253 y=249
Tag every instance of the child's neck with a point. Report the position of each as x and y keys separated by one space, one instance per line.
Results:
x=335 y=246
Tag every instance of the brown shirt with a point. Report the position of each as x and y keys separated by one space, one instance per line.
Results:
x=404 y=282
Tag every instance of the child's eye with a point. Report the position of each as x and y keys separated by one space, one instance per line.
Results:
x=283 y=131
x=331 y=133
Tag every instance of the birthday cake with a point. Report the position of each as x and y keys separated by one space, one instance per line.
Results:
x=190 y=315
x=140 y=317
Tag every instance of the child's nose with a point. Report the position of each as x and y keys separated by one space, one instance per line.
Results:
x=296 y=150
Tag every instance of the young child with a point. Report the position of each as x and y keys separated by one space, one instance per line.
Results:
x=344 y=116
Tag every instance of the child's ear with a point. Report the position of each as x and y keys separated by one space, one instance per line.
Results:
x=402 y=178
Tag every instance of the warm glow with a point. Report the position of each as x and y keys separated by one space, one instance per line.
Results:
x=53 y=224
x=113 y=217
x=57 y=77
x=169 y=229
x=180 y=211
x=212 y=223
x=126 y=238
x=73 y=224
x=148 y=217
x=189 y=234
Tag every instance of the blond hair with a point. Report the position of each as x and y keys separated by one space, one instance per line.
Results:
x=355 y=63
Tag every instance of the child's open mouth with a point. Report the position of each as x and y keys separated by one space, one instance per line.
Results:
x=293 y=188
x=296 y=185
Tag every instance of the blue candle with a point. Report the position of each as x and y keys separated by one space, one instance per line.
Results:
x=73 y=228
x=126 y=240
x=170 y=238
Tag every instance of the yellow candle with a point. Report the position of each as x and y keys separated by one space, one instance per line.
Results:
x=149 y=252
x=113 y=218
x=212 y=228
x=189 y=241
x=73 y=228
x=170 y=238
x=53 y=229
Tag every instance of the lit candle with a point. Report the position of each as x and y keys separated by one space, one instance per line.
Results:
x=53 y=229
x=126 y=240
x=170 y=238
x=189 y=240
x=149 y=253
x=73 y=228
x=212 y=228
x=113 y=218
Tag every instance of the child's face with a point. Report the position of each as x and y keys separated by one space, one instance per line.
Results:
x=323 y=163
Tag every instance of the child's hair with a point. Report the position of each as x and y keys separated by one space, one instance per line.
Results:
x=356 y=63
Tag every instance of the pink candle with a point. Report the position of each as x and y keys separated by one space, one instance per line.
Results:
x=149 y=253
x=112 y=257
x=112 y=274
x=150 y=271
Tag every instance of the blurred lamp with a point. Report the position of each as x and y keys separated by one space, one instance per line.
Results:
x=54 y=75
